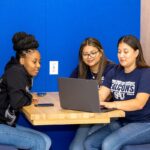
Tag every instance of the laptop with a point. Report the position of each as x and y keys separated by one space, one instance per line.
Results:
x=79 y=94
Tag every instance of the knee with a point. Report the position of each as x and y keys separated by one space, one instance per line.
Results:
x=44 y=142
x=106 y=145
x=87 y=144
x=74 y=147
x=47 y=141
x=110 y=143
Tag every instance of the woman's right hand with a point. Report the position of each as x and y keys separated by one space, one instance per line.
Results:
x=35 y=98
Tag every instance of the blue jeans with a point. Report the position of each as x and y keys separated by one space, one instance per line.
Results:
x=115 y=135
x=82 y=132
x=24 y=138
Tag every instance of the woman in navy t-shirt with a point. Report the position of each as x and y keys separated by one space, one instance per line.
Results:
x=92 y=65
x=129 y=85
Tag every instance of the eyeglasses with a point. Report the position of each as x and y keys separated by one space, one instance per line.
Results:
x=91 y=54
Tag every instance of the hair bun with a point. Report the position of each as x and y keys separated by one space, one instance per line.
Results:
x=23 y=41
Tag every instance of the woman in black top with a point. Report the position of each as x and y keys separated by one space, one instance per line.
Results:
x=15 y=85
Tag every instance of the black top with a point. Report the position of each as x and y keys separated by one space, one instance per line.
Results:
x=91 y=75
x=14 y=91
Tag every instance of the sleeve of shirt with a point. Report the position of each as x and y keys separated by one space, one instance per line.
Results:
x=108 y=78
x=109 y=66
x=17 y=89
x=144 y=84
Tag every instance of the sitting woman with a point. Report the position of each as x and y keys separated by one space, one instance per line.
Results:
x=129 y=84
x=15 y=84
x=92 y=65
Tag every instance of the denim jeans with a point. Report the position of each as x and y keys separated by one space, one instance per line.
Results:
x=115 y=135
x=24 y=138
x=82 y=132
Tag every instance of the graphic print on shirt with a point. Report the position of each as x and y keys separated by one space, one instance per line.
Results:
x=122 y=89
x=102 y=79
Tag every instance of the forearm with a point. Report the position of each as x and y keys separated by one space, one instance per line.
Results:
x=128 y=105
x=19 y=99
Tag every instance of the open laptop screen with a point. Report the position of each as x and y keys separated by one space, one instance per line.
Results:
x=79 y=94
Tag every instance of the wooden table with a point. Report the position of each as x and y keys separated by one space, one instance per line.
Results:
x=57 y=116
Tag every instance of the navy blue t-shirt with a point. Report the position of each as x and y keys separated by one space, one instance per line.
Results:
x=91 y=75
x=125 y=86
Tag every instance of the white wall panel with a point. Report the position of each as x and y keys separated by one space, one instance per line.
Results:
x=145 y=28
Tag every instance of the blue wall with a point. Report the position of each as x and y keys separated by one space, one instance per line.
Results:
x=60 y=26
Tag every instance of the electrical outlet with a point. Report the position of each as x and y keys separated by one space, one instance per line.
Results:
x=53 y=67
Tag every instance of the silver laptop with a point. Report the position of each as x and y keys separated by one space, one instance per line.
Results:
x=79 y=94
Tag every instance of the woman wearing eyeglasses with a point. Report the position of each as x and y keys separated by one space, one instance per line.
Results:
x=92 y=65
